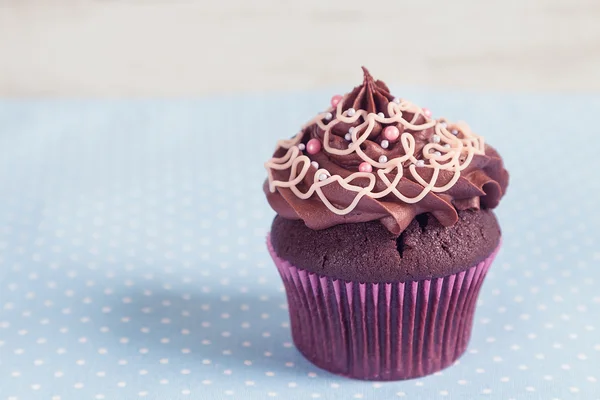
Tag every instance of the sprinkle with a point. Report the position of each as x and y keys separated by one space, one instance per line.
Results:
x=351 y=129
x=383 y=159
x=454 y=132
x=351 y=112
x=420 y=163
x=335 y=100
x=427 y=112
x=323 y=176
x=385 y=144
x=443 y=124
x=301 y=146
x=365 y=167
x=396 y=100
x=435 y=139
x=313 y=146
x=315 y=164
x=437 y=153
x=381 y=115
x=348 y=137
x=328 y=116
x=391 y=133
x=447 y=146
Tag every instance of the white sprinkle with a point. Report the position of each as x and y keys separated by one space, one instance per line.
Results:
x=351 y=112
x=435 y=139
x=396 y=100
x=447 y=146
x=302 y=146
x=323 y=176
x=420 y=163
x=351 y=130
x=443 y=124
x=328 y=116
x=454 y=132
x=437 y=153
x=381 y=115
x=315 y=164
x=383 y=159
x=385 y=144
x=348 y=137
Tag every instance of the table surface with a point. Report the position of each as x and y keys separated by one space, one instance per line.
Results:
x=133 y=260
x=166 y=47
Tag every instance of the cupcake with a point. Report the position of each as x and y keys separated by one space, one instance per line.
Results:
x=384 y=234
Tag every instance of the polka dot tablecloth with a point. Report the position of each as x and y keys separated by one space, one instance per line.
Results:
x=133 y=260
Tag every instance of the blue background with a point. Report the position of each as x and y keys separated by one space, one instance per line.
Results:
x=133 y=262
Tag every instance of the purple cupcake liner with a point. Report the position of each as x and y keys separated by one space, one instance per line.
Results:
x=381 y=331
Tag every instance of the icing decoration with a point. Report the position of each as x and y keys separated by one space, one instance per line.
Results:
x=434 y=146
x=335 y=100
x=391 y=133
x=313 y=146
x=365 y=167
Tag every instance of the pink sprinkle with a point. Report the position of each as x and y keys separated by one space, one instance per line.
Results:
x=313 y=146
x=365 y=167
x=427 y=112
x=391 y=133
x=335 y=100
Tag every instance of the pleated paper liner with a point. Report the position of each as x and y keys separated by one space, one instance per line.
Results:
x=381 y=331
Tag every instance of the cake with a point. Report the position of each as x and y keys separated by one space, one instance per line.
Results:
x=384 y=233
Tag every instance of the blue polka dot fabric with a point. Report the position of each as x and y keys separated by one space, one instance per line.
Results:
x=133 y=261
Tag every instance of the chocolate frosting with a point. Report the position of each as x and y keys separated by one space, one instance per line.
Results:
x=481 y=184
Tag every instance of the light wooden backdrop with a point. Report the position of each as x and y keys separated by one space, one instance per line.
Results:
x=171 y=47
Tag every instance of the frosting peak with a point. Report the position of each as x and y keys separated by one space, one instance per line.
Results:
x=372 y=96
x=371 y=156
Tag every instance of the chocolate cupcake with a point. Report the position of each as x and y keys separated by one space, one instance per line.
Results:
x=384 y=234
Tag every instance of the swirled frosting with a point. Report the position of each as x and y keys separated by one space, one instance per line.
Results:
x=372 y=156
